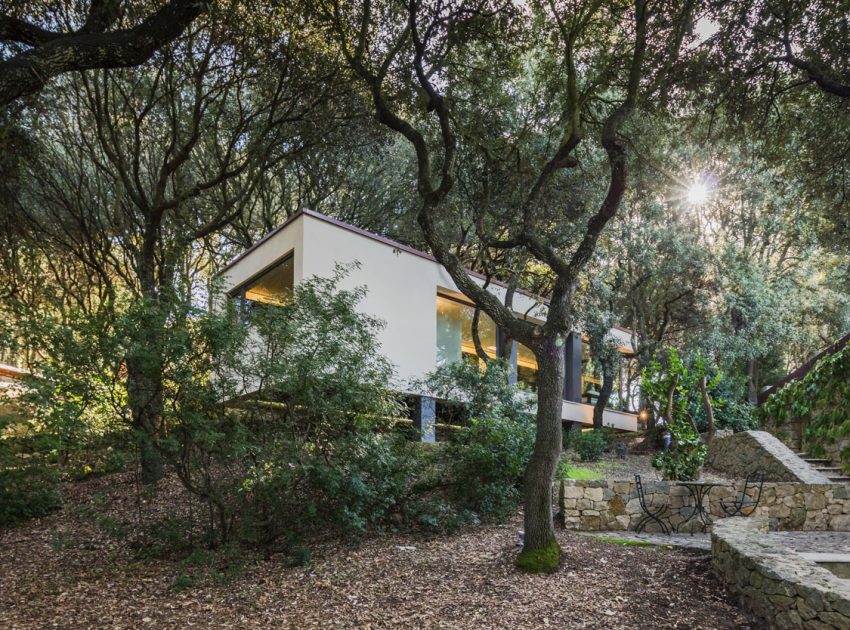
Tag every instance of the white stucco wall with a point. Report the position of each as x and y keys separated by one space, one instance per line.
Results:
x=267 y=252
x=402 y=291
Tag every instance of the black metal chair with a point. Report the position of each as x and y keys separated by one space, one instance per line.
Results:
x=743 y=501
x=650 y=514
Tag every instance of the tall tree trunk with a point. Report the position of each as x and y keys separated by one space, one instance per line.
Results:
x=540 y=548
x=145 y=374
x=604 y=394
x=476 y=337
x=709 y=408
x=753 y=381
x=671 y=395
x=144 y=397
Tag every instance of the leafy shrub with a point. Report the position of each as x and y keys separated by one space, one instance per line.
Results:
x=487 y=464
x=29 y=488
x=736 y=415
x=486 y=459
x=684 y=459
x=820 y=400
x=309 y=444
x=28 y=491
x=481 y=390
x=731 y=410
x=590 y=445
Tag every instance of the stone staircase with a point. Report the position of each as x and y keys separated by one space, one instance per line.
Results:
x=827 y=467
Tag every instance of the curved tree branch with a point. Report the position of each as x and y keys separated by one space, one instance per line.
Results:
x=88 y=48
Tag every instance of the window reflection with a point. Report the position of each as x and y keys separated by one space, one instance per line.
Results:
x=454 y=332
x=273 y=287
x=625 y=395
x=526 y=367
x=591 y=379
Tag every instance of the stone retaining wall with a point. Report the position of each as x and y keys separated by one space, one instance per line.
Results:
x=607 y=505
x=740 y=453
x=776 y=583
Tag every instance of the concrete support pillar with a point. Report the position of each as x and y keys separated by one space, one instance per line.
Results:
x=572 y=360
x=573 y=427
x=425 y=418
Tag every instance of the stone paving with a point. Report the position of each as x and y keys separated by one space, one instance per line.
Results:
x=789 y=590
x=812 y=542
x=801 y=542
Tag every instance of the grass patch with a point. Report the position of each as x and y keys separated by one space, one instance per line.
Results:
x=582 y=473
x=623 y=541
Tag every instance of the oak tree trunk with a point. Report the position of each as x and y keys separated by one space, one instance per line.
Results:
x=753 y=381
x=539 y=526
x=145 y=374
x=144 y=397
x=604 y=394
x=709 y=408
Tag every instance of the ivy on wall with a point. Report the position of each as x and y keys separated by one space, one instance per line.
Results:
x=820 y=403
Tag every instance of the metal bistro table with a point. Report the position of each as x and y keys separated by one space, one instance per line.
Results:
x=698 y=491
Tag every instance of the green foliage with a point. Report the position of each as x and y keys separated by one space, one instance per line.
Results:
x=736 y=415
x=29 y=487
x=309 y=447
x=543 y=560
x=71 y=410
x=77 y=395
x=668 y=374
x=731 y=409
x=668 y=370
x=182 y=582
x=487 y=458
x=684 y=459
x=820 y=401
x=567 y=471
x=590 y=445
x=482 y=390
x=487 y=464
x=27 y=490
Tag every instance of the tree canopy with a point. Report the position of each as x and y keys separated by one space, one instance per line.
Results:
x=676 y=167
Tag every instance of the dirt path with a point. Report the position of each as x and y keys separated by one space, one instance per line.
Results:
x=65 y=572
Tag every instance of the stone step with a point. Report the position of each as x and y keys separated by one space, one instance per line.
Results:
x=839 y=478
x=828 y=470
x=818 y=462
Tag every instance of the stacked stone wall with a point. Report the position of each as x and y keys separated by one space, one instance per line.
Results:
x=741 y=453
x=785 y=589
x=607 y=505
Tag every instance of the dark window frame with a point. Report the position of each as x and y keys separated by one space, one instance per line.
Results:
x=470 y=304
x=239 y=292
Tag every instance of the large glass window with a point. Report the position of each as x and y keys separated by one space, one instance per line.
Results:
x=454 y=332
x=626 y=394
x=591 y=380
x=526 y=367
x=274 y=286
x=626 y=391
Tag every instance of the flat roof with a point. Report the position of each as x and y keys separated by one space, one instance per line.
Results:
x=371 y=235
x=380 y=239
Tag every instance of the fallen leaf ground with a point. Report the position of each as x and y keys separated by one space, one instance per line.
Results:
x=77 y=568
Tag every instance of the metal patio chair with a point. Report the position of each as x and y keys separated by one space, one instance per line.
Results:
x=743 y=501
x=650 y=514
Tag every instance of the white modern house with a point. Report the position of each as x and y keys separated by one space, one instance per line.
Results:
x=428 y=321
